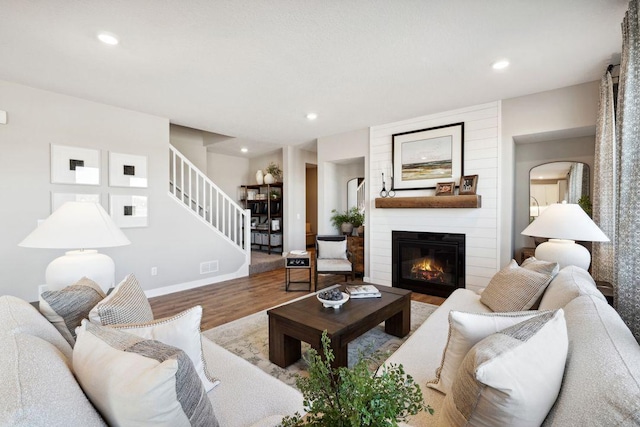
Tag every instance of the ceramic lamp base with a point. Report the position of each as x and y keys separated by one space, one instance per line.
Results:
x=74 y=265
x=564 y=252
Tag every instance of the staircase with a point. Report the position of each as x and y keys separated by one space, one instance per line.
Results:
x=194 y=190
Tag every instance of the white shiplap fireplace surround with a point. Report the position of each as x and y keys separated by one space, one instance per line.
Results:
x=481 y=157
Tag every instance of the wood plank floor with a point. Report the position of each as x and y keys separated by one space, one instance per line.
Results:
x=227 y=301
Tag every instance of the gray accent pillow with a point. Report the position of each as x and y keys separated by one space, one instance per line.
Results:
x=571 y=282
x=133 y=381
x=66 y=307
x=514 y=288
x=127 y=303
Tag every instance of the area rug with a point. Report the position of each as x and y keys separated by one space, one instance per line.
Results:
x=249 y=338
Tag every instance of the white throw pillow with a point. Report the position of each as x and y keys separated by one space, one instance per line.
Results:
x=332 y=250
x=65 y=308
x=511 y=378
x=514 y=288
x=127 y=303
x=182 y=331
x=465 y=331
x=137 y=382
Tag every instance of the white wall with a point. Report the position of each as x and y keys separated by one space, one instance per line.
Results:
x=190 y=143
x=481 y=157
x=558 y=114
x=175 y=241
x=331 y=188
x=295 y=205
x=229 y=173
x=261 y=163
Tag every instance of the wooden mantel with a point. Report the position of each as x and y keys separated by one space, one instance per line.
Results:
x=466 y=201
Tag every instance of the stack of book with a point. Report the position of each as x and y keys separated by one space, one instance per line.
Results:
x=363 y=291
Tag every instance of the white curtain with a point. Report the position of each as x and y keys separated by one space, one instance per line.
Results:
x=617 y=171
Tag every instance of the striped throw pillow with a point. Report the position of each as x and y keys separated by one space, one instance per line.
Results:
x=127 y=303
x=133 y=381
x=181 y=331
x=514 y=288
x=510 y=378
x=65 y=308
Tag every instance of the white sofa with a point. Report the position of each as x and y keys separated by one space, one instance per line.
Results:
x=38 y=388
x=601 y=383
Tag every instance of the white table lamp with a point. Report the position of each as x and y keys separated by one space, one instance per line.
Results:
x=564 y=223
x=78 y=225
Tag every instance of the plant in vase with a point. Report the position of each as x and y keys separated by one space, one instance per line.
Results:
x=275 y=172
x=355 y=397
x=341 y=221
x=356 y=217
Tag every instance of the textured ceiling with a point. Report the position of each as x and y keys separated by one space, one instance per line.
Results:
x=254 y=69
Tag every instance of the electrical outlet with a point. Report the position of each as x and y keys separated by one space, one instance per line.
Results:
x=3 y=117
x=154 y=271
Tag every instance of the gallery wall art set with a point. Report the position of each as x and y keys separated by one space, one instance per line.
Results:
x=81 y=166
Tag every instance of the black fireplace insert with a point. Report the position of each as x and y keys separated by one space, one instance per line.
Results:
x=428 y=263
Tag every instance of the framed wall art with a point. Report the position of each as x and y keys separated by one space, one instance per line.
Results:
x=424 y=157
x=468 y=184
x=129 y=211
x=74 y=165
x=59 y=199
x=127 y=170
x=445 y=188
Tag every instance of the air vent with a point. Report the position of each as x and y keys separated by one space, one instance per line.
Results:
x=208 y=267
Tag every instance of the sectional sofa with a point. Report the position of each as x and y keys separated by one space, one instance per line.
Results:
x=600 y=382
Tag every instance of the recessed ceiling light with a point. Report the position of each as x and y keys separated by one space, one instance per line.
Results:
x=107 y=38
x=312 y=116
x=244 y=149
x=500 y=65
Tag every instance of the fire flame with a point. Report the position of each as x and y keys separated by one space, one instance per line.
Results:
x=426 y=264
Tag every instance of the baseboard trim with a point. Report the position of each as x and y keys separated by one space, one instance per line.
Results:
x=194 y=284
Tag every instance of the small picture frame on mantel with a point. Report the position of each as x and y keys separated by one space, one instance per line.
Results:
x=445 y=188
x=468 y=185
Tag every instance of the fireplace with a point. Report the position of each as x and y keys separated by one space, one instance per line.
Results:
x=428 y=263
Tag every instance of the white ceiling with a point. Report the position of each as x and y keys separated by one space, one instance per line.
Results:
x=254 y=69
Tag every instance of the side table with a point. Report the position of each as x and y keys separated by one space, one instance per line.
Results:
x=607 y=290
x=297 y=262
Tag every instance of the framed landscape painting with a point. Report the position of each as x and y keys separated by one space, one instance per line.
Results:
x=425 y=157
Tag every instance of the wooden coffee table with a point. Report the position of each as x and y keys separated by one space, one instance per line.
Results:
x=306 y=319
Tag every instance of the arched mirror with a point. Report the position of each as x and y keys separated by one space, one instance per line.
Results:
x=355 y=193
x=557 y=181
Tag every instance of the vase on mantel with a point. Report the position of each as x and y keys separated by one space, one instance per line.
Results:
x=269 y=179
x=259 y=177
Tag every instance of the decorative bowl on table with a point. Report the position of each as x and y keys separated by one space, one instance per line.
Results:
x=332 y=298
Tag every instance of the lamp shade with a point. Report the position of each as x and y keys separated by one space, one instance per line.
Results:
x=565 y=221
x=76 y=225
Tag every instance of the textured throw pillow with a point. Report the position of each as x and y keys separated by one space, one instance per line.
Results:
x=514 y=288
x=332 y=250
x=465 y=331
x=182 y=331
x=127 y=303
x=65 y=308
x=544 y=267
x=133 y=381
x=510 y=378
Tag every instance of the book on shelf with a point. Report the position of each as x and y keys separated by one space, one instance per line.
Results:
x=363 y=291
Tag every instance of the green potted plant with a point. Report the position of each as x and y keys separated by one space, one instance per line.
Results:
x=342 y=221
x=355 y=397
x=275 y=172
x=356 y=217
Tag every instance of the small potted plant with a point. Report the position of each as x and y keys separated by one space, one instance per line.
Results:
x=342 y=221
x=356 y=217
x=355 y=397
x=274 y=172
